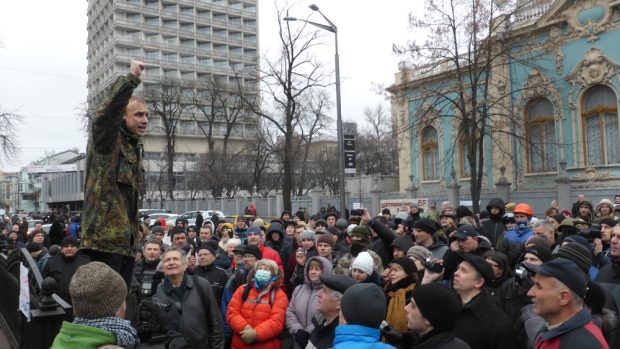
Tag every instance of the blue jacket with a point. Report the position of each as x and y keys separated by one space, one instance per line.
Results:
x=358 y=337
x=518 y=236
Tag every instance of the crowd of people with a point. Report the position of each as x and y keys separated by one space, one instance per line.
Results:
x=440 y=278
x=443 y=278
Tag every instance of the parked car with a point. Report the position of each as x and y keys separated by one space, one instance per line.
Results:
x=149 y=211
x=206 y=215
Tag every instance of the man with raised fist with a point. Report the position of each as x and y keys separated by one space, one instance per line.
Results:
x=114 y=175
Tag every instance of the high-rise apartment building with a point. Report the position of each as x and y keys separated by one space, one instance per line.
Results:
x=193 y=42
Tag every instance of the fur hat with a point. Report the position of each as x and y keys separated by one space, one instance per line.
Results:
x=96 y=291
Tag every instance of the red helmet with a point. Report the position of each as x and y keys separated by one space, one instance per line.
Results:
x=523 y=209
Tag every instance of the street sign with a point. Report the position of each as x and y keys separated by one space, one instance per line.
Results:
x=349 y=144
x=349 y=153
x=52 y=168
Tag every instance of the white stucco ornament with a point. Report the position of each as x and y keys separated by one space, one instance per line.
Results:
x=589 y=18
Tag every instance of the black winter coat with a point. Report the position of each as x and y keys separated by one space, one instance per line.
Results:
x=200 y=324
x=483 y=325
x=441 y=340
x=217 y=277
x=62 y=271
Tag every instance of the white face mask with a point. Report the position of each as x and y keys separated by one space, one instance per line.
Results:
x=262 y=275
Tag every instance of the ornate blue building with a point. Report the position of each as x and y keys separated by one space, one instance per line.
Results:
x=560 y=82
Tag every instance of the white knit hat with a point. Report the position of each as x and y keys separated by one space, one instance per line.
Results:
x=363 y=262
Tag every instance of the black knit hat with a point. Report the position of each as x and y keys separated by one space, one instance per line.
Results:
x=207 y=247
x=253 y=250
x=609 y=221
x=69 y=240
x=463 y=211
x=426 y=225
x=364 y=304
x=406 y=263
x=404 y=243
x=541 y=251
x=33 y=247
x=576 y=253
x=438 y=304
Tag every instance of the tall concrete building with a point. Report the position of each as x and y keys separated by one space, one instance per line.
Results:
x=196 y=43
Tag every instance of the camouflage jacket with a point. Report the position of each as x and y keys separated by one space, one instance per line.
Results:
x=343 y=265
x=114 y=176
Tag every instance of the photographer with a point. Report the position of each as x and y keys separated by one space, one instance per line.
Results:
x=186 y=307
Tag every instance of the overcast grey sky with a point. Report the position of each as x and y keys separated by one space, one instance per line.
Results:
x=43 y=61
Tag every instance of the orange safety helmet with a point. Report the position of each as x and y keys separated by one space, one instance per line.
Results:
x=523 y=209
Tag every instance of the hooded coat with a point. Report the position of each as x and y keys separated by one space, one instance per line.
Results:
x=302 y=306
x=493 y=228
x=263 y=310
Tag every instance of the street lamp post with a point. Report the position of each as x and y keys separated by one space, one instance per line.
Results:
x=332 y=28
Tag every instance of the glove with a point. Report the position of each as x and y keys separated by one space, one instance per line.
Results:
x=301 y=338
x=392 y=336
x=248 y=335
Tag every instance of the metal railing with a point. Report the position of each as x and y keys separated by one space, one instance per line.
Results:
x=47 y=310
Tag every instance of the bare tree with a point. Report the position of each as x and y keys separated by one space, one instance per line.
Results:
x=461 y=70
x=376 y=143
x=287 y=80
x=9 y=147
x=312 y=121
x=166 y=102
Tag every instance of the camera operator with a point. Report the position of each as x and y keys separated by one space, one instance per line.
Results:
x=145 y=273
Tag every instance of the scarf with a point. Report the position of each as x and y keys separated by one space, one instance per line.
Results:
x=398 y=293
x=126 y=336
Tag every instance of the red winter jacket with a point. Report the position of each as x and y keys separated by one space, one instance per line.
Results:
x=265 y=317
x=269 y=253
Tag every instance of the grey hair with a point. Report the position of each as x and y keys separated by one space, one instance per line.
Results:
x=336 y=296
x=545 y=224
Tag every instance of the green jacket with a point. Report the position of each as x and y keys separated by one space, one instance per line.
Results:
x=72 y=336
x=114 y=176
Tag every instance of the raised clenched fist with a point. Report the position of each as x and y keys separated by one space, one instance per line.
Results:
x=136 y=67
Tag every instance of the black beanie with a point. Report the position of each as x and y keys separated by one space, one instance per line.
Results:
x=33 y=247
x=541 y=251
x=253 y=250
x=364 y=304
x=406 y=263
x=438 y=304
x=577 y=253
x=69 y=240
x=463 y=211
x=404 y=243
x=426 y=225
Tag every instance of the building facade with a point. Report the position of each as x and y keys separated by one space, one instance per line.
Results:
x=196 y=44
x=560 y=80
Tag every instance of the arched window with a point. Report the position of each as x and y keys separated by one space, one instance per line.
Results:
x=430 y=153
x=601 y=135
x=540 y=136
